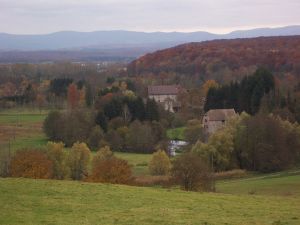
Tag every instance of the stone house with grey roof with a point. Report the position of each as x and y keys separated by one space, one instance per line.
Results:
x=165 y=95
x=215 y=119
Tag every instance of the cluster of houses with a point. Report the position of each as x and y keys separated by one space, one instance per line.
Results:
x=167 y=96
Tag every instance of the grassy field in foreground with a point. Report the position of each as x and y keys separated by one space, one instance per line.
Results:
x=26 y=201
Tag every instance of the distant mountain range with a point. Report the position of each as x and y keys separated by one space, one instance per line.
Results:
x=128 y=44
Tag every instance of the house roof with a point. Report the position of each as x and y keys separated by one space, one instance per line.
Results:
x=220 y=114
x=163 y=90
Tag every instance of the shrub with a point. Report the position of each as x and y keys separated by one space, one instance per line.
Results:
x=178 y=121
x=148 y=181
x=101 y=120
x=52 y=126
x=267 y=144
x=231 y=174
x=158 y=131
x=31 y=164
x=101 y=155
x=57 y=155
x=122 y=132
x=78 y=160
x=194 y=132
x=151 y=110
x=95 y=137
x=77 y=126
x=160 y=163
x=69 y=127
x=140 y=137
x=114 y=140
x=192 y=173
x=218 y=150
x=112 y=170
x=115 y=123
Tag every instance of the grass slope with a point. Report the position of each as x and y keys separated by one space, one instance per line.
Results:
x=26 y=201
x=283 y=184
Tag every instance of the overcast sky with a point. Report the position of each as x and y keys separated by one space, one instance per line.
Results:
x=219 y=16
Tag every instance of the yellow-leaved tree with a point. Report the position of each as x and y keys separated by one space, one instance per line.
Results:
x=160 y=163
x=78 y=161
x=57 y=155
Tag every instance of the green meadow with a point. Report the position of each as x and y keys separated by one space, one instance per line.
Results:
x=139 y=162
x=27 y=201
x=277 y=184
x=20 y=119
x=22 y=128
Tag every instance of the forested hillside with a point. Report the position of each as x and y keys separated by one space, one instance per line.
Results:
x=224 y=60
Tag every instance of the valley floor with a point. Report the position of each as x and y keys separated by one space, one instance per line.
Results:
x=265 y=199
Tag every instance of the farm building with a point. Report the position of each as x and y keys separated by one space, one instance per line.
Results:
x=215 y=119
x=165 y=95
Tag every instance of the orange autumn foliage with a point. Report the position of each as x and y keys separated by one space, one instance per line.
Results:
x=31 y=164
x=73 y=96
x=112 y=170
x=223 y=60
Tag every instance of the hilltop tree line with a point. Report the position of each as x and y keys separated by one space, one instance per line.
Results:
x=223 y=60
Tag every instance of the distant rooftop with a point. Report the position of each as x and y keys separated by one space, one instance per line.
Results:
x=220 y=114
x=163 y=90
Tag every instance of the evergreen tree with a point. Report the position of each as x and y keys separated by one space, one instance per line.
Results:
x=114 y=108
x=101 y=121
x=257 y=94
x=152 y=112
x=137 y=109
x=88 y=95
x=244 y=96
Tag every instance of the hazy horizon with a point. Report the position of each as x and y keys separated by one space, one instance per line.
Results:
x=163 y=31
x=214 y=16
